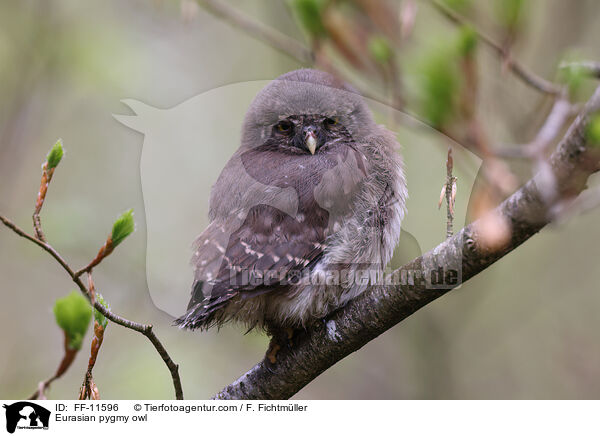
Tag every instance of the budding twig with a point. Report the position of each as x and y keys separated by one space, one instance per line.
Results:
x=91 y=289
x=145 y=329
x=450 y=186
x=104 y=251
x=123 y=227
x=52 y=160
x=517 y=68
x=89 y=390
x=68 y=358
x=46 y=178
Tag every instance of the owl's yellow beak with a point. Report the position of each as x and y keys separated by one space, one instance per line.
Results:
x=311 y=142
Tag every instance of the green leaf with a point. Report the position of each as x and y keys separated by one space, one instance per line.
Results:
x=309 y=14
x=55 y=155
x=439 y=83
x=73 y=314
x=510 y=12
x=380 y=49
x=123 y=227
x=467 y=40
x=101 y=319
x=573 y=76
x=593 y=131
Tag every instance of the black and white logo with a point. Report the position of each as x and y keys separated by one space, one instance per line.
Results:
x=26 y=415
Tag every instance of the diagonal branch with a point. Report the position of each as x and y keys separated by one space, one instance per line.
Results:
x=258 y=30
x=145 y=329
x=520 y=70
x=560 y=113
x=384 y=306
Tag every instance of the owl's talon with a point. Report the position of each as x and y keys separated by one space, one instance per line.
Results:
x=274 y=347
x=290 y=337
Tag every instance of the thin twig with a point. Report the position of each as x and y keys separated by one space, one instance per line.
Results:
x=519 y=69
x=104 y=251
x=450 y=194
x=258 y=30
x=145 y=329
x=37 y=226
x=555 y=121
x=40 y=393
x=69 y=356
x=89 y=388
x=39 y=203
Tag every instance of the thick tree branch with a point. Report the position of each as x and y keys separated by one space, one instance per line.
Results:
x=382 y=307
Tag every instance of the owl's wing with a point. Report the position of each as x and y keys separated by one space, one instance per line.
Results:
x=262 y=255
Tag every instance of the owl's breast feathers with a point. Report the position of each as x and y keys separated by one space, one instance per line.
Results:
x=258 y=249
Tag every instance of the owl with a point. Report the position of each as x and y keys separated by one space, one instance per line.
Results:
x=304 y=216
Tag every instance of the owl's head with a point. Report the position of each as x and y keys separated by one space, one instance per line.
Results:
x=304 y=110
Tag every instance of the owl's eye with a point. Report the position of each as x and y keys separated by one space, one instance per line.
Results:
x=330 y=121
x=284 y=127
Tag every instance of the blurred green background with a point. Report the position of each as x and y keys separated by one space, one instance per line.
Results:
x=525 y=328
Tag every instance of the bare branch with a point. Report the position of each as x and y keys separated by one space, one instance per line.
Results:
x=45 y=182
x=559 y=114
x=554 y=123
x=89 y=390
x=145 y=329
x=381 y=307
x=520 y=70
x=450 y=193
x=587 y=201
x=258 y=30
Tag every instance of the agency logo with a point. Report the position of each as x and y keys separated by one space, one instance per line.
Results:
x=26 y=415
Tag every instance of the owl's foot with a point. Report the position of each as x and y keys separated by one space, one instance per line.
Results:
x=281 y=338
x=290 y=336
x=274 y=347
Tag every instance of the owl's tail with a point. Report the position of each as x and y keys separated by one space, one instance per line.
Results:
x=203 y=312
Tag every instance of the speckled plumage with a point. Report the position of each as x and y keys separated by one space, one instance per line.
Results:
x=281 y=210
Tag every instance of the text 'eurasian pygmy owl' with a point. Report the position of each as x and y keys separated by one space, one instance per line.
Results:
x=307 y=207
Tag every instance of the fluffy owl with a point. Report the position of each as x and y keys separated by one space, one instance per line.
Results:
x=305 y=214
